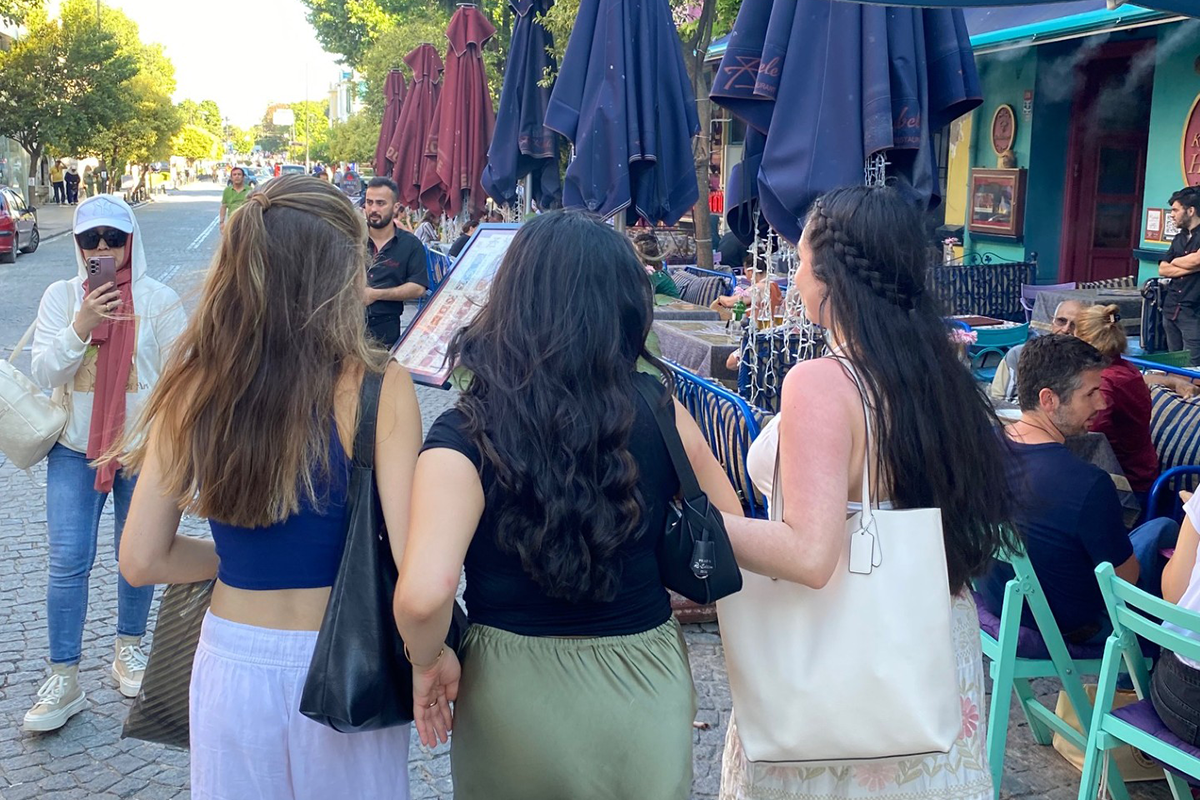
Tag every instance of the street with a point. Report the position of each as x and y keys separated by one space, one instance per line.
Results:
x=87 y=758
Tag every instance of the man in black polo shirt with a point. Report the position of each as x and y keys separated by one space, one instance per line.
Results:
x=1181 y=301
x=398 y=272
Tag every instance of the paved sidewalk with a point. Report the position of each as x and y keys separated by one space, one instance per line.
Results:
x=54 y=219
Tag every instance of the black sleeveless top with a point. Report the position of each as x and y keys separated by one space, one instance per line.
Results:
x=502 y=595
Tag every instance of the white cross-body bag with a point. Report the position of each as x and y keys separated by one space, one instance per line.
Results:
x=863 y=668
x=30 y=422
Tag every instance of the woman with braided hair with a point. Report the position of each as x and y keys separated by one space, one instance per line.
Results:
x=931 y=444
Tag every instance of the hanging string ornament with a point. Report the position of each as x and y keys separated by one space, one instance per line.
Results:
x=875 y=170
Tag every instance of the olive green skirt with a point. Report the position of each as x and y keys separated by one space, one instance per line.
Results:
x=606 y=718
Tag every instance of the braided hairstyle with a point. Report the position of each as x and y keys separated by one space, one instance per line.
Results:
x=936 y=436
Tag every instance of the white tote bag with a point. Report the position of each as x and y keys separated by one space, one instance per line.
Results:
x=30 y=422
x=863 y=668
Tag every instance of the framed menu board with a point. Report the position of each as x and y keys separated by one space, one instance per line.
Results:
x=464 y=290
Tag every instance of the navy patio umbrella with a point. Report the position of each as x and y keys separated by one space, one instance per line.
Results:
x=623 y=98
x=860 y=82
x=521 y=143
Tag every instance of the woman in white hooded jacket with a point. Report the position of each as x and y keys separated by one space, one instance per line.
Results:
x=105 y=382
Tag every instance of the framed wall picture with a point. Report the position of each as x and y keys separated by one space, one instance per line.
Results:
x=459 y=297
x=1154 y=224
x=998 y=202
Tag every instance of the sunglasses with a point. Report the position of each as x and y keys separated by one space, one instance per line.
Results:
x=90 y=239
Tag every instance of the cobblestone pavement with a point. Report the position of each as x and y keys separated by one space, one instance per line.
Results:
x=88 y=759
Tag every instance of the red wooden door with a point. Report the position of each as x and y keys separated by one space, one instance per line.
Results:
x=1110 y=126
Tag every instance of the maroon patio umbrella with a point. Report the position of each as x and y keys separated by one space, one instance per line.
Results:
x=456 y=151
x=393 y=93
x=407 y=148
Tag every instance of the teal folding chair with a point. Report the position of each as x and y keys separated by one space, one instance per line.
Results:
x=1019 y=654
x=1135 y=614
x=994 y=342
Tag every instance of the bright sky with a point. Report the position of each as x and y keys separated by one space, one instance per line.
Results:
x=244 y=54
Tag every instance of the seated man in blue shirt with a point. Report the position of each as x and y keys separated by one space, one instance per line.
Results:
x=1067 y=509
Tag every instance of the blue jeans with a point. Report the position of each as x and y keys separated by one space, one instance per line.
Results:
x=1147 y=540
x=73 y=509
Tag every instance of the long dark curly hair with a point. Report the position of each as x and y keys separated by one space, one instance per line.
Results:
x=550 y=402
x=936 y=434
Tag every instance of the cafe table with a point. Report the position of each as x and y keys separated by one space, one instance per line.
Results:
x=670 y=308
x=1129 y=301
x=699 y=346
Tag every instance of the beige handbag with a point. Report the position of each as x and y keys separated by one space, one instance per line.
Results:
x=1135 y=765
x=30 y=422
x=863 y=668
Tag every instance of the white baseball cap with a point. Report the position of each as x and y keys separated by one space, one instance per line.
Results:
x=103 y=212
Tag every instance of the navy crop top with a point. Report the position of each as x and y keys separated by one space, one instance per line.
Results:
x=303 y=551
x=501 y=594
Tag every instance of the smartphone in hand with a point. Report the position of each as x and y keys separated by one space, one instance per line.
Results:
x=101 y=270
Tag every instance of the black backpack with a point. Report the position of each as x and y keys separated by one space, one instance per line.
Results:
x=1154 y=339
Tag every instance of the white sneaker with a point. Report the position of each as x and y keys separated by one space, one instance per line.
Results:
x=129 y=665
x=59 y=699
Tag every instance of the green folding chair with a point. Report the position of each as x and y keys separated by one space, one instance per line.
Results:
x=1019 y=654
x=1135 y=614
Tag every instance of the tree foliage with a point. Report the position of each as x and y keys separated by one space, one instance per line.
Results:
x=206 y=114
x=350 y=27
x=242 y=139
x=16 y=12
x=312 y=130
x=146 y=120
x=354 y=140
x=58 y=82
x=373 y=36
x=393 y=45
x=194 y=142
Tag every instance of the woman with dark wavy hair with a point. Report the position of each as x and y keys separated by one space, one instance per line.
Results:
x=550 y=481
x=932 y=444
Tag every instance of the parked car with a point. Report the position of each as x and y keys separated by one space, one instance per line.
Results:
x=18 y=226
x=293 y=169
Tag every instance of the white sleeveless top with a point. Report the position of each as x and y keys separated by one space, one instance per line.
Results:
x=760 y=463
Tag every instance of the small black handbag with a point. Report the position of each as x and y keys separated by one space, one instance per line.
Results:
x=695 y=557
x=359 y=678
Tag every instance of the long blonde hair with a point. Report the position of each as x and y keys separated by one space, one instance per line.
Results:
x=243 y=413
x=1100 y=326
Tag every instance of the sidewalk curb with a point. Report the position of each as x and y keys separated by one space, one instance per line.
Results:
x=56 y=236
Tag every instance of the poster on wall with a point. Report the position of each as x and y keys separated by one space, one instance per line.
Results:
x=1170 y=229
x=1154 y=224
x=461 y=294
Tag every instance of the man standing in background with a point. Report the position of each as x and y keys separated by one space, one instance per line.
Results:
x=398 y=271
x=234 y=196
x=56 y=182
x=1181 y=298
